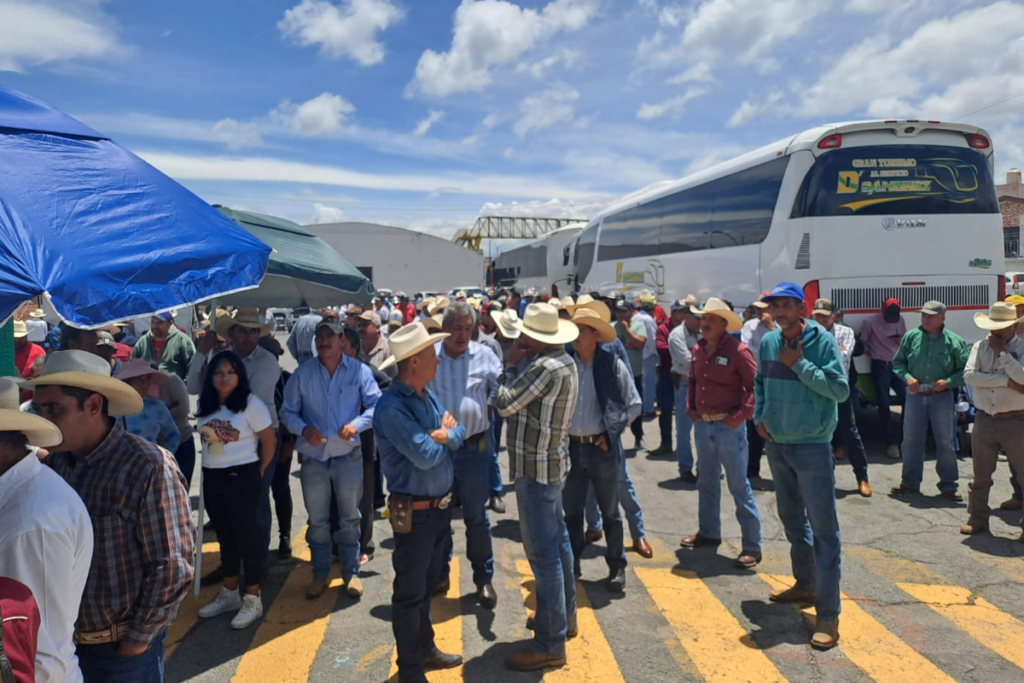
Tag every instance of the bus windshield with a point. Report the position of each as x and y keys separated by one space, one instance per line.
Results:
x=897 y=179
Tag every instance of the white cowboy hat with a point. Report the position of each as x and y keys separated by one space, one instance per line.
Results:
x=721 y=309
x=409 y=341
x=474 y=303
x=426 y=303
x=1000 y=316
x=20 y=329
x=542 y=323
x=556 y=302
x=136 y=367
x=593 y=319
x=431 y=323
x=39 y=431
x=439 y=306
x=588 y=302
x=506 y=320
x=247 y=316
x=84 y=370
x=38 y=313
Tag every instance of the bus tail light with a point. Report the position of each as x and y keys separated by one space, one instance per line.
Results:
x=832 y=142
x=811 y=292
x=1001 y=286
x=977 y=141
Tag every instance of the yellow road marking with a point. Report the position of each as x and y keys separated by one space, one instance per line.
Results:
x=892 y=567
x=713 y=638
x=286 y=643
x=979 y=618
x=188 y=613
x=447 y=618
x=588 y=656
x=871 y=646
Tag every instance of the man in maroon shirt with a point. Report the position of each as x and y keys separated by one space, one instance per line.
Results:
x=720 y=400
x=665 y=389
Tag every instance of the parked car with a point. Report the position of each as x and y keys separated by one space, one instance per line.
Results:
x=283 y=317
x=471 y=292
x=1014 y=282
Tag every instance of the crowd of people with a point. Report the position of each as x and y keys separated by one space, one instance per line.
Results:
x=97 y=451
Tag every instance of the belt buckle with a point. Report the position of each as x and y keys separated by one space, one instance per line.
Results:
x=445 y=502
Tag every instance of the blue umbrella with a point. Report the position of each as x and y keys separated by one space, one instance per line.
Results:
x=101 y=233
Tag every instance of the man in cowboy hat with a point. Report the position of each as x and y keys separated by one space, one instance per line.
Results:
x=25 y=352
x=996 y=372
x=930 y=361
x=800 y=382
x=417 y=438
x=645 y=314
x=404 y=305
x=37 y=326
x=466 y=381
x=881 y=334
x=681 y=342
x=328 y=403
x=374 y=346
x=539 y=403
x=144 y=537
x=243 y=331
x=665 y=387
x=607 y=402
x=45 y=535
x=1016 y=501
x=167 y=346
x=720 y=400
x=632 y=334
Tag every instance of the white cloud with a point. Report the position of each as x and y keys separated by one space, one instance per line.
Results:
x=237 y=135
x=323 y=213
x=509 y=153
x=698 y=73
x=322 y=115
x=348 y=29
x=471 y=140
x=539 y=69
x=583 y=209
x=753 y=108
x=674 y=106
x=545 y=109
x=33 y=33
x=490 y=121
x=423 y=126
x=491 y=33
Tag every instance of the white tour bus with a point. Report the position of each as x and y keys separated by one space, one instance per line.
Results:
x=545 y=263
x=855 y=212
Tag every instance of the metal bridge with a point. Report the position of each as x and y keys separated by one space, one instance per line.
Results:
x=510 y=228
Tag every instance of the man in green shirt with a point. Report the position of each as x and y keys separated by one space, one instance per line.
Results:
x=633 y=335
x=931 y=361
x=166 y=345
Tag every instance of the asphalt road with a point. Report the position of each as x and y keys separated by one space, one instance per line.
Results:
x=921 y=602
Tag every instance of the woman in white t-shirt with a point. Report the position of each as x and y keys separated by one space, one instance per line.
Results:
x=238 y=445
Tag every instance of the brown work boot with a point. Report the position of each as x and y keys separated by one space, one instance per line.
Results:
x=864 y=488
x=354 y=587
x=826 y=635
x=643 y=548
x=316 y=588
x=697 y=541
x=748 y=559
x=528 y=659
x=792 y=595
x=1014 y=503
x=975 y=525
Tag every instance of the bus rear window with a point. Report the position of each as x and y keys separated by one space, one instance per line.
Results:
x=897 y=179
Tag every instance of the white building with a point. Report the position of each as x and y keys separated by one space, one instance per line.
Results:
x=399 y=259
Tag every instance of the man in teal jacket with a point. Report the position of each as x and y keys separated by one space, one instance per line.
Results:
x=799 y=383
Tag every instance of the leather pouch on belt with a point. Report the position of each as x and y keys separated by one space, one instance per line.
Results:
x=401 y=513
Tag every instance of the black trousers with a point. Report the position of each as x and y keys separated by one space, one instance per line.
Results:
x=637 y=426
x=232 y=496
x=280 y=486
x=366 y=507
x=848 y=437
x=755 y=449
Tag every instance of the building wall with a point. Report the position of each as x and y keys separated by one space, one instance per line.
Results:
x=404 y=259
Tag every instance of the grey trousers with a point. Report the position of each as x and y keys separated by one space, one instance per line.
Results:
x=991 y=434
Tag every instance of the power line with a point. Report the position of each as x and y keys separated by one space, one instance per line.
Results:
x=990 y=105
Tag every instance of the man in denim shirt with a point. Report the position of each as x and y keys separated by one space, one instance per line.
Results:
x=416 y=439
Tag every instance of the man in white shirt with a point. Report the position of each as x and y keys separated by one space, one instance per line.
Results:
x=751 y=334
x=680 y=347
x=995 y=370
x=650 y=354
x=45 y=535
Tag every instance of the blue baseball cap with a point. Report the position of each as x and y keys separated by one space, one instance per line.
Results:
x=165 y=317
x=786 y=289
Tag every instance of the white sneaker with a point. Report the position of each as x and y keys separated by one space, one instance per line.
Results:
x=226 y=601
x=252 y=609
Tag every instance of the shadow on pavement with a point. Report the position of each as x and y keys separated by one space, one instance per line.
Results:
x=774 y=624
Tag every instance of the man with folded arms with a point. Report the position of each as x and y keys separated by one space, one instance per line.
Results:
x=995 y=370
x=720 y=400
x=800 y=382
x=416 y=439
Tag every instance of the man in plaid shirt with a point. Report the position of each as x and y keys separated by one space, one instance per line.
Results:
x=539 y=404
x=142 y=563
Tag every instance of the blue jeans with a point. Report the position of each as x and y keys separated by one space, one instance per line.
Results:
x=472 y=469
x=594 y=470
x=805 y=495
x=343 y=474
x=497 y=487
x=100 y=663
x=418 y=560
x=684 y=449
x=546 y=542
x=725 y=447
x=593 y=512
x=884 y=379
x=629 y=503
x=650 y=383
x=666 y=401
x=919 y=412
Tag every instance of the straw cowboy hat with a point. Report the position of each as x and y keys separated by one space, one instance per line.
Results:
x=409 y=341
x=439 y=306
x=474 y=302
x=247 y=316
x=1000 y=316
x=38 y=313
x=39 y=431
x=137 y=367
x=20 y=329
x=588 y=302
x=432 y=323
x=426 y=303
x=542 y=324
x=84 y=370
x=718 y=307
x=593 y=320
x=506 y=321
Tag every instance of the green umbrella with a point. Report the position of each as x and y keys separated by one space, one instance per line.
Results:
x=303 y=270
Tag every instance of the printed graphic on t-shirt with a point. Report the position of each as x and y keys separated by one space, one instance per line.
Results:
x=216 y=433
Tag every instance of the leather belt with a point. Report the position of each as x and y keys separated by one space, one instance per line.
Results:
x=1004 y=416
x=431 y=503
x=590 y=438
x=114 y=634
x=714 y=418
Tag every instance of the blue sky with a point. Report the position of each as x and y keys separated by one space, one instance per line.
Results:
x=427 y=113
